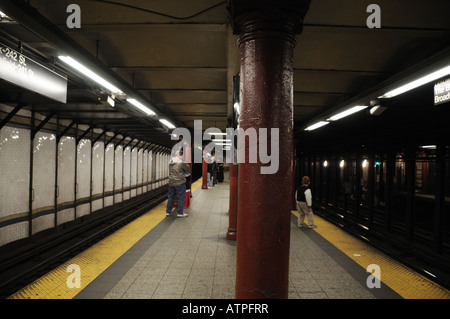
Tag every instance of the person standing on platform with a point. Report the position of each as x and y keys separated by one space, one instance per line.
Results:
x=177 y=183
x=210 y=165
x=211 y=169
x=304 y=204
x=214 y=170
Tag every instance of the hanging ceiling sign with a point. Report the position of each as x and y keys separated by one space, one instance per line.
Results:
x=442 y=92
x=24 y=72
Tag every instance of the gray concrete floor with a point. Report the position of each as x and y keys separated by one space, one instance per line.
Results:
x=190 y=258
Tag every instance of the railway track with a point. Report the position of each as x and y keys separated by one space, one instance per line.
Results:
x=23 y=262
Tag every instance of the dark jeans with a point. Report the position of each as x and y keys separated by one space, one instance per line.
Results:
x=176 y=191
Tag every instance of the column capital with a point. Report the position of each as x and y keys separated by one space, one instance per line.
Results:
x=267 y=15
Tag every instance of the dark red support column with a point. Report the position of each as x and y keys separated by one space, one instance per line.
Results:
x=267 y=31
x=232 y=210
x=204 y=172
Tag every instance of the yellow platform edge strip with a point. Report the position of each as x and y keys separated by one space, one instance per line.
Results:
x=99 y=257
x=60 y=283
x=403 y=280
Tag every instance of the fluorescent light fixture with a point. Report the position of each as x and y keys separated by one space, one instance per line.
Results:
x=347 y=112
x=377 y=110
x=167 y=123
x=3 y=15
x=141 y=106
x=223 y=144
x=419 y=82
x=364 y=163
x=429 y=273
x=215 y=133
x=237 y=107
x=110 y=101
x=220 y=140
x=84 y=70
x=317 y=125
x=430 y=147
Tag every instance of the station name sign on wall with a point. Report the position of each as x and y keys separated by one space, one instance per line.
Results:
x=20 y=70
x=442 y=91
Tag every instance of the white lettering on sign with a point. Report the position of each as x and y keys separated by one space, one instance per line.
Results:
x=14 y=62
x=20 y=70
x=442 y=92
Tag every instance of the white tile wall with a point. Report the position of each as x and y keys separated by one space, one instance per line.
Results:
x=118 y=174
x=123 y=169
x=145 y=171
x=44 y=152
x=133 y=172
x=14 y=186
x=157 y=169
x=140 y=168
x=83 y=176
x=98 y=153
x=151 y=173
x=66 y=179
x=109 y=173
x=126 y=172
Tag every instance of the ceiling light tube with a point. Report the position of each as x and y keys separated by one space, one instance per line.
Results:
x=347 y=112
x=216 y=133
x=419 y=82
x=223 y=144
x=141 y=106
x=316 y=126
x=167 y=123
x=84 y=70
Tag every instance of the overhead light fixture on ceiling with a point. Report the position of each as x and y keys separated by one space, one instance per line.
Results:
x=316 y=125
x=377 y=110
x=419 y=82
x=84 y=70
x=223 y=144
x=430 y=147
x=167 y=123
x=141 y=106
x=216 y=133
x=4 y=17
x=347 y=112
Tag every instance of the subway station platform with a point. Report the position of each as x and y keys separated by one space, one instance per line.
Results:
x=159 y=257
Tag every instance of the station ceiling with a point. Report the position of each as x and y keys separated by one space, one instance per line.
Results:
x=181 y=56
